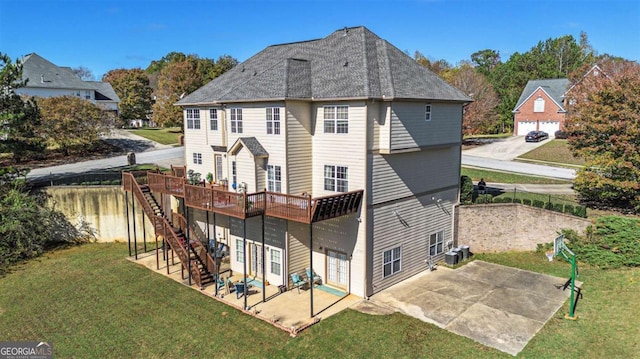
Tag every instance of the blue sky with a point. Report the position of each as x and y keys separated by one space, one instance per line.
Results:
x=109 y=34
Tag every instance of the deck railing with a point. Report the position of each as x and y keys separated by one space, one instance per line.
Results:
x=235 y=204
x=163 y=183
x=296 y=208
x=197 y=245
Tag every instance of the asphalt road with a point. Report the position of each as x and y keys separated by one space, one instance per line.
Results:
x=518 y=167
x=162 y=157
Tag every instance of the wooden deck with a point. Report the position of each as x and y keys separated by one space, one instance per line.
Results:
x=241 y=205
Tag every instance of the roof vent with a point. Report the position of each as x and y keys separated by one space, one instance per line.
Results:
x=346 y=63
x=345 y=31
x=42 y=78
x=242 y=68
x=255 y=73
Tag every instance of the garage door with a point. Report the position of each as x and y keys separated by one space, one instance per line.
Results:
x=549 y=127
x=525 y=126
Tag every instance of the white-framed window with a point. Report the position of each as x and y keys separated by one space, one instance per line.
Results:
x=336 y=119
x=197 y=158
x=427 y=112
x=234 y=173
x=87 y=95
x=273 y=120
x=218 y=167
x=436 y=241
x=213 y=119
x=276 y=263
x=239 y=251
x=236 y=120
x=391 y=261
x=274 y=178
x=538 y=105
x=193 y=118
x=336 y=178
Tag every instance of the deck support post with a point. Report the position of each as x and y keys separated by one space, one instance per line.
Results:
x=188 y=237
x=135 y=237
x=244 y=260
x=264 y=275
x=311 y=264
x=126 y=204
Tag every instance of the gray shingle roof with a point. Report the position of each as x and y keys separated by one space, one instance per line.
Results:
x=252 y=145
x=556 y=88
x=104 y=89
x=42 y=73
x=349 y=63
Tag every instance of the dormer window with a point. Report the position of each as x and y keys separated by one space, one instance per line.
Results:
x=538 y=104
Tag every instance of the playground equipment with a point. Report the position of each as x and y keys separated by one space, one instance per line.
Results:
x=560 y=248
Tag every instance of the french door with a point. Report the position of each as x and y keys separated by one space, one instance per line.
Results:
x=337 y=269
x=256 y=259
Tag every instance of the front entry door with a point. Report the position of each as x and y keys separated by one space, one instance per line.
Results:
x=256 y=260
x=337 y=269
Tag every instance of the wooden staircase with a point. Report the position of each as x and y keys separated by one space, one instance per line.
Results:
x=195 y=258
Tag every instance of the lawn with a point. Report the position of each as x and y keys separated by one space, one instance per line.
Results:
x=166 y=136
x=91 y=302
x=506 y=177
x=555 y=151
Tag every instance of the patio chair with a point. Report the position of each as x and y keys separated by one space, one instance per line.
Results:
x=297 y=281
x=313 y=277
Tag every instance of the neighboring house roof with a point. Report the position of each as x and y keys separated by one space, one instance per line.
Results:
x=104 y=91
x=42 y=73
x=252 y=145
x=348 y=64
x=554 y=88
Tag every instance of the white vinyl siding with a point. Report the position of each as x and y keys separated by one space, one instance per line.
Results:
x=193 y=118
x=273 y=120
x=235 y=115
x=336 y=119
x=391 y=261
x=213 y=119
x=299 y=149
x=409 y=130
x=399 y=175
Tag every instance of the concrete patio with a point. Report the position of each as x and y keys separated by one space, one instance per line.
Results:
x=289 y=311
x=498 y=306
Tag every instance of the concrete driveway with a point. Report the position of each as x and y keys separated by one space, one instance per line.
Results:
x=498 y=306
x=504 y=149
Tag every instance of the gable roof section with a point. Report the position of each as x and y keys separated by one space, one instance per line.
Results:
x=347 y=64
x=554 y=88
x=251 y=144
x=42 y=73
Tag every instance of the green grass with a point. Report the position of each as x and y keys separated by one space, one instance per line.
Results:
x=555 y=151
x=91 y=302
x=506 y=177
x=166 y=136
